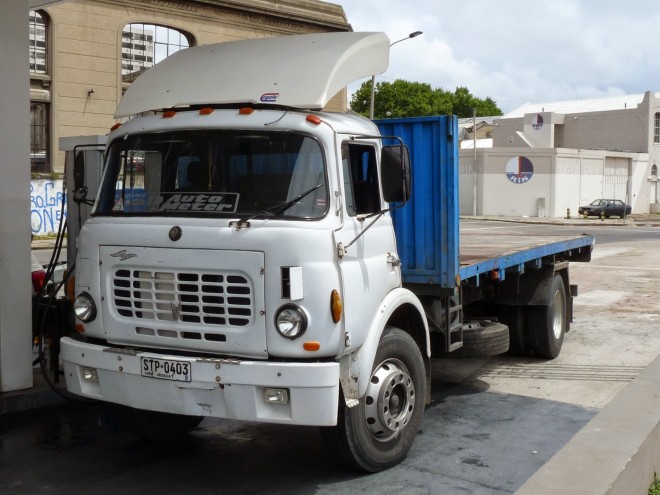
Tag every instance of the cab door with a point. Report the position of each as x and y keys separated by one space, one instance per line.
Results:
x=369 y=267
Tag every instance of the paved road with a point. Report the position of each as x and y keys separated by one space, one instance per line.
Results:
x=492 y=424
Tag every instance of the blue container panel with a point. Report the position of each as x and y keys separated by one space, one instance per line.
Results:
x=427 y=226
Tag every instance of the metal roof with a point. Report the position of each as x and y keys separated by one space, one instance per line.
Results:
x=579 y=106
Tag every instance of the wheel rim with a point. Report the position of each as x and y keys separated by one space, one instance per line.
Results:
x=558 y=316
x=390 y=400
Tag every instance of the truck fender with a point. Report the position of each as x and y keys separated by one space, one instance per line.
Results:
x=355 y=367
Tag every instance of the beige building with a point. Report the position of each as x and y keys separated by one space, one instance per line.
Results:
x=84 y=53
x=548 y=159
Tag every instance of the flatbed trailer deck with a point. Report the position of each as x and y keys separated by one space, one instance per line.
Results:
x=508 y=250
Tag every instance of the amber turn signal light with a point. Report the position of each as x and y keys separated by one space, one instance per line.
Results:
x=336 y=306
x=311 y=346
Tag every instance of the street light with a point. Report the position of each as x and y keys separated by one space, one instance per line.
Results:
x=373 y=78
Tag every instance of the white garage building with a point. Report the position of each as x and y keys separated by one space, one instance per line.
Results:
x=550 y=158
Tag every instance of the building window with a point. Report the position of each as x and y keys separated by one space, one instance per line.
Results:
x=40 y=93
x=654 y=170
x=39 y=137
x=147 y=44
x=38 y=43
x=656 y=128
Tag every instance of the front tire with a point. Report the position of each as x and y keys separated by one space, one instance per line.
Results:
x=378 y=432
x=548 y=324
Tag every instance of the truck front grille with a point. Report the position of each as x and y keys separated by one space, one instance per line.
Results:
x=221 y=299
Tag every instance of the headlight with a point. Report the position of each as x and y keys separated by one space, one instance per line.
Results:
x=291 y=321
x=84 y=307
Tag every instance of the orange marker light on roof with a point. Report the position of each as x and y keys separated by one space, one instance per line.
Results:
x=313 y=119
x=169 y=114
x=116 y=126
x=205 y=111
x=245 y=111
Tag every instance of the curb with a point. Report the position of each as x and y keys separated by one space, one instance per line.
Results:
x=616 y=453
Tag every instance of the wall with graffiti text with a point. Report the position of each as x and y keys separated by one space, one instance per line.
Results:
x=46 y=206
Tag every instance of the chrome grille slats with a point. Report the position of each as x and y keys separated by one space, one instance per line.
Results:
x=184 y=299
x=198 y=297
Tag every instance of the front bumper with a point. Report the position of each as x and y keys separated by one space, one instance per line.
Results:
x=593 y=213
x=221 y=388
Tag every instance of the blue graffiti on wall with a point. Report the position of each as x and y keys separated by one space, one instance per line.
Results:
x=46 y=206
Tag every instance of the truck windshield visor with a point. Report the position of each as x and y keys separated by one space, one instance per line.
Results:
x=224 y=173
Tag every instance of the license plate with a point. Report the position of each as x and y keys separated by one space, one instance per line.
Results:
x=165 y=369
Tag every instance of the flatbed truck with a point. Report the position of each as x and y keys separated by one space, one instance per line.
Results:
x=250 y=256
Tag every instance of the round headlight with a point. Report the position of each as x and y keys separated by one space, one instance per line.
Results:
x=291 y=321
x=84 y=307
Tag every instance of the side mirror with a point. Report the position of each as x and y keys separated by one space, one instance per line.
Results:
x=395 y=173
x=78 y=170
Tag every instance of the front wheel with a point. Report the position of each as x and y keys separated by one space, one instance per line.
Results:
x=378 y=432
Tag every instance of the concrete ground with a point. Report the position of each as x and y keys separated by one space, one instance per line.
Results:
x=583 y=423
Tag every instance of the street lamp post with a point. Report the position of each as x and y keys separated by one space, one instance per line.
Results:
x=373 y=78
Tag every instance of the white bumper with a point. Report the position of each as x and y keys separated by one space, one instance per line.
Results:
x=219 y=388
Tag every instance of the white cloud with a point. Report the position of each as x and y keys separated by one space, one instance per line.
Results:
x=519 y=51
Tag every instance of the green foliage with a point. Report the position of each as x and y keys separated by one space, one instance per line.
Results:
x=414 y=99
x=654 y=489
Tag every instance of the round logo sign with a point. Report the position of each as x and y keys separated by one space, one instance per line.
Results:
x=537 y=121
x=519 y=169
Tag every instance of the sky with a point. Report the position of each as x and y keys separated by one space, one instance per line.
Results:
x=519 y=51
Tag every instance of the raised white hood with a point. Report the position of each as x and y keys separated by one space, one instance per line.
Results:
x=301 y=71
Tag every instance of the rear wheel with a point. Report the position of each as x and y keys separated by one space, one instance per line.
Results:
x=547 y=324
x=157 y=426
x=378 y=432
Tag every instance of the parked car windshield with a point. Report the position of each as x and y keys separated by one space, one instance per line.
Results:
x=228 y=173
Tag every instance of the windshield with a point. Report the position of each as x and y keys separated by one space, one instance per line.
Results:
x=202 y=173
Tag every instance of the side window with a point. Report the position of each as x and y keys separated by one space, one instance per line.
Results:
x=360 y=179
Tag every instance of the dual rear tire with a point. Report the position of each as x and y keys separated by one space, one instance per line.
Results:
x=538 y=331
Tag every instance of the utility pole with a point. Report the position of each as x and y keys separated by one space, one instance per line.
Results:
x=373 y=78
x=474 y=164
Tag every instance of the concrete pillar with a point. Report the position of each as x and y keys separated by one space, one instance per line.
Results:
x=15 y=305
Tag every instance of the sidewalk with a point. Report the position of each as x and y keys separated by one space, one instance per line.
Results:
x=638 y=219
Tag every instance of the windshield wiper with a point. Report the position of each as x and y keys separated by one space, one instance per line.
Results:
x=279 y=208
x=282 y=208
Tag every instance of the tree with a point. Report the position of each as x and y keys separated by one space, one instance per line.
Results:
x=414 y=99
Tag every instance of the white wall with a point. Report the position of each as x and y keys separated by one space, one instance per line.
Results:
x=15 y=306
x=564 y=178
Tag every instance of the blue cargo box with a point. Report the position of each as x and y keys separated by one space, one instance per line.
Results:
x=427 y=226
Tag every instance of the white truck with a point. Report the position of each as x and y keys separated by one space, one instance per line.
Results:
x=241 y=257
